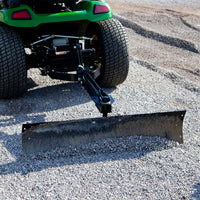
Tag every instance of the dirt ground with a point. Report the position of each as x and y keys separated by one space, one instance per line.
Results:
x=165 y=38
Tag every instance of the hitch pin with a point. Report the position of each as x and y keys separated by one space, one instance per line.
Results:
x=60 y=53
x=104 y=98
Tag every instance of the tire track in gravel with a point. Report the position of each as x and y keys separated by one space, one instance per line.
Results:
x=174 y=77
x=172 y=41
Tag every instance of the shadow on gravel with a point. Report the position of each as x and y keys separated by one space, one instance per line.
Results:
x=33 y=104
x=196 y=194
x=32 y=107
x=12 y=144
x=133 y=147
x=46 y=99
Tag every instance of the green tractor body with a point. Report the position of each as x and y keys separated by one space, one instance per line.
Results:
x=24 y=16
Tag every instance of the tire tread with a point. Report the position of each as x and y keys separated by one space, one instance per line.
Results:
x=115 y=50
x=13 y=72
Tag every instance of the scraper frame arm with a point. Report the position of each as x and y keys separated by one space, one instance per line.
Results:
x=102 y=100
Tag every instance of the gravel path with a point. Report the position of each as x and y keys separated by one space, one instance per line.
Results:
x=125 y=168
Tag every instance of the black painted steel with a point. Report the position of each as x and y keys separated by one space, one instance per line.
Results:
x=42 y=137
x=102 y=100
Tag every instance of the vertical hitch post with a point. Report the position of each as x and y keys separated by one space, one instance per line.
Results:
x=102 y=100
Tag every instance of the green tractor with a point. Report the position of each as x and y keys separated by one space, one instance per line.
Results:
x=67 y=40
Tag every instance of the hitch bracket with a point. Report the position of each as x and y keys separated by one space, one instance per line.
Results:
x=102 y=100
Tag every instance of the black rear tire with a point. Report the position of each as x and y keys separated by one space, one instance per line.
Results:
x=112 y=51
x=13 y=71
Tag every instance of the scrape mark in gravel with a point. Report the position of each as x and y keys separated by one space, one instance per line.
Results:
x=196 y=72
x=175 y=78
x=176 y=42
x=188 y=25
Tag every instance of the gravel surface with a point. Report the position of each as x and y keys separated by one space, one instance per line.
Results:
x=135 y=167
x=179 y=3
x=156 y=31
x=125 y=168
